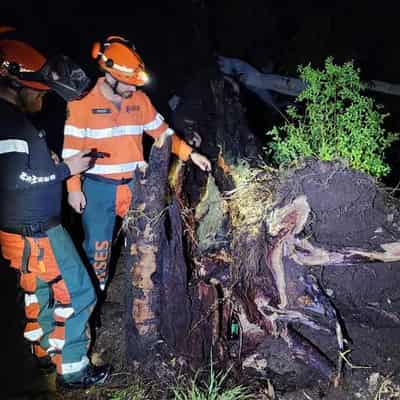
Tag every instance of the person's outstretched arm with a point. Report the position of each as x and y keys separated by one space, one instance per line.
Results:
x=154 y=125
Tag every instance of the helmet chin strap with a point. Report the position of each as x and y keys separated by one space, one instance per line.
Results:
x=113 y=87
x=126 y=95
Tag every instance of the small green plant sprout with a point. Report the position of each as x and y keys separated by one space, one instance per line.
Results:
x=332 y=119
x=213 y=390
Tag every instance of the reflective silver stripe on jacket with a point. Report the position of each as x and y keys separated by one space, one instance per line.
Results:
x=156 y=123
x=104 y=169
x=69 y=153
x=14 y=146
x=122 y=130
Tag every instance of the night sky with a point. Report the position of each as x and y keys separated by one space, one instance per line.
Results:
x=178 y=38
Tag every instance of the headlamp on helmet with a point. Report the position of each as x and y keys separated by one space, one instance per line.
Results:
x=118 y=56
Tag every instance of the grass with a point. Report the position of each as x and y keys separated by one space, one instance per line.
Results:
x=134 y=392
x=137 y=389
x=214 y=389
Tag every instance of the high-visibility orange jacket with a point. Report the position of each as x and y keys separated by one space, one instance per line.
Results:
x=95 y=122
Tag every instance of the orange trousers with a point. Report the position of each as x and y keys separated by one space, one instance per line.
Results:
x=59 y=295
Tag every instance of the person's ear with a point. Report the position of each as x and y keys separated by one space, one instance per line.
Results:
x=3 y=71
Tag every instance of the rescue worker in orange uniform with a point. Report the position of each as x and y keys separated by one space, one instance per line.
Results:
x=59 y=296
x=112 y=119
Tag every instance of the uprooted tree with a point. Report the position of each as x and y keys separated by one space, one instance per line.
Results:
x=272 y=269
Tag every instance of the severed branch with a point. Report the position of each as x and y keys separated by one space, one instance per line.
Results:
x=262 y=84
x=383 y=87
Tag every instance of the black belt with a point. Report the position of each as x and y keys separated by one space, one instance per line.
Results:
x=100 y=178
x=32 y=230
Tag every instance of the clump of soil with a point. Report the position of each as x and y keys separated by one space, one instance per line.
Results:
x=350 y=210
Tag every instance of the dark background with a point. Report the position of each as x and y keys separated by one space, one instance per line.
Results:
x=178 y=38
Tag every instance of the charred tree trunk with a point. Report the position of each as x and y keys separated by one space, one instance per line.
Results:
x=156 y=303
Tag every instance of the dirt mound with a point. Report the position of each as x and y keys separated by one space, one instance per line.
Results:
x=349 y=210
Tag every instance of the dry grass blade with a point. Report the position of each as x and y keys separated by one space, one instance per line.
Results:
x=388 y=390
x=349 y=364
x=252 y=196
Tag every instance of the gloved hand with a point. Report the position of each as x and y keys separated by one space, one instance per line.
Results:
x=201 y=161
x=77 y=201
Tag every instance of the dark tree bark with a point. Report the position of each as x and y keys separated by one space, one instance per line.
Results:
x=156 y=303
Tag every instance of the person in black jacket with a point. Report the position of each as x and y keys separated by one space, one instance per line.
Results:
x=59 y=296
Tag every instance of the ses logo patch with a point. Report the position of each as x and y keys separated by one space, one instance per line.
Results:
x=101 y=111
x=131 y=108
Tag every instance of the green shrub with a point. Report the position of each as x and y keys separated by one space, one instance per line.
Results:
x=338 y=122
